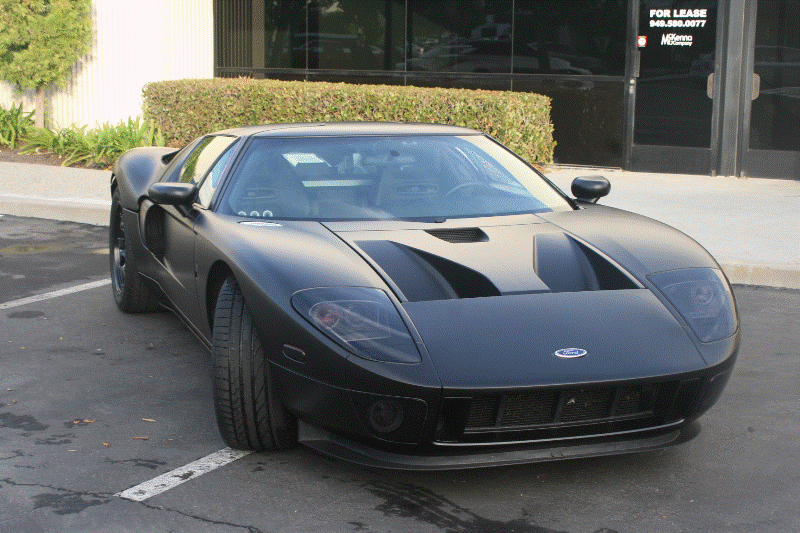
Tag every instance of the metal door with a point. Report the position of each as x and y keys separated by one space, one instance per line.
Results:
x=772 y=106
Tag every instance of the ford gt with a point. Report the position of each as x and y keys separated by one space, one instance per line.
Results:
x=416 y=296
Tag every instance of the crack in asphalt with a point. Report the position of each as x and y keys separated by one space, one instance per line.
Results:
x=73 y=502
x=249 y=529
x=17 y=455
x=54 y=440
x=152 y=464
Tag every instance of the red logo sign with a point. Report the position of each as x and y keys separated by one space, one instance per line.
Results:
x=642 y=41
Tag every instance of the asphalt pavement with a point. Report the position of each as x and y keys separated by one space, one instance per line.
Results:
x=750 y=225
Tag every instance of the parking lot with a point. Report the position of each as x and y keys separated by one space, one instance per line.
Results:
x=94 y=402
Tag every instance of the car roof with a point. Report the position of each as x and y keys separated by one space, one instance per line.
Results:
x=332 y=129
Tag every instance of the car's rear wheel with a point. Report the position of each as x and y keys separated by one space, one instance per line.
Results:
x=130 y=294
x=249 y=415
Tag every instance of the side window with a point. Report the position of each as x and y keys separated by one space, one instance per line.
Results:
x=172 y=171
x=209 y=185
x=203 y=157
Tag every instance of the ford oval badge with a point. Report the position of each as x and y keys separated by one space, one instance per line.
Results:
x=570 y=353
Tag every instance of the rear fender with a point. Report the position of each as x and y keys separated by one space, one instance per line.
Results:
x=135 y=170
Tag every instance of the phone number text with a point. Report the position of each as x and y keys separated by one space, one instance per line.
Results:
x=678 y=23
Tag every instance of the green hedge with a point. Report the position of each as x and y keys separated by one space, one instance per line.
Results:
x=186 y=109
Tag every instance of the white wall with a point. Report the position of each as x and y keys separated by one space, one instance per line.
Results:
x=134 y=43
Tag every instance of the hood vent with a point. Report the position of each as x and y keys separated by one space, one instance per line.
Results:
x=422 y=276
x=503 y=261
x=459 y=235
x=567 y=265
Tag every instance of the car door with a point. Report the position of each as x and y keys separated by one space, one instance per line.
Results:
x=176 y=226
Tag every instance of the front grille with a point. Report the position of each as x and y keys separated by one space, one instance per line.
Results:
x=568 y=412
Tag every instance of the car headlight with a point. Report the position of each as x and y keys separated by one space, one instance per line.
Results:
x=703 y=298
x=364 y=321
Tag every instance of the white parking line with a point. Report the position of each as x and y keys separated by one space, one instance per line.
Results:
x=172 y=479
x=54 y=294
x=166 y=481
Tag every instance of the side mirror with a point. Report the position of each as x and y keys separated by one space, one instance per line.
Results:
x=171 y=193
x=590 y=188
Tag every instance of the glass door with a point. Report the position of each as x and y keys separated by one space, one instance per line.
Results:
x=773 y=124
x=672 y=85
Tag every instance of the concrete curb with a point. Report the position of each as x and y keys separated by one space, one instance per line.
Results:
x=767 y=275
x=86 y=200
x=96 y=212
x=83 y=210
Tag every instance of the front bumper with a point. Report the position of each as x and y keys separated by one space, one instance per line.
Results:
x=456 y=458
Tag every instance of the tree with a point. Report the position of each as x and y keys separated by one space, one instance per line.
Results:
x=40 y=41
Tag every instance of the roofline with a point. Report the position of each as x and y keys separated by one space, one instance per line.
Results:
x=320 y=129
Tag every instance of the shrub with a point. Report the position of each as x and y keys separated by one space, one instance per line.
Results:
x=186 y=109
x=14 y=125
x=97 y=147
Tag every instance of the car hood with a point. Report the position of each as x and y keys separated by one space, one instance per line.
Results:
x=511 y=341
x=493 y=302
x=472 y=259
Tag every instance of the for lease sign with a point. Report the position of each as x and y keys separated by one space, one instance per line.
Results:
x=675 y=20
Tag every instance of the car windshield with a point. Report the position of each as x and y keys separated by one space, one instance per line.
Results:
x=384 y=178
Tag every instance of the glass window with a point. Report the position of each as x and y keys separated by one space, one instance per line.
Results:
x=284 y=29
x=384 y=178
x=205 y=155
x=775 y=113
x=353 y=35
x=172 y=172
x=577 y=37
x=460 y=36
x=677 y=46
x=211 y=182
x=588 y=118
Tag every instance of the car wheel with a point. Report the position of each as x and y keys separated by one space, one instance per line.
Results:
x=249 y=415
x=130 y=294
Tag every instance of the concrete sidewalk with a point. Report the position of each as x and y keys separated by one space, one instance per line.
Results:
x=751 y=226
x=58 y=193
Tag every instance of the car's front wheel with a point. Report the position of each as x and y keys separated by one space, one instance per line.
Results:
x=130 y=294
x=249 y=415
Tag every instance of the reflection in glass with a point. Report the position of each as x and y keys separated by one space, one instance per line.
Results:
x=467 y=36
x=352 y=35
x=775 y=114
x=281 y=30
x=572 y=37
x=472 y=44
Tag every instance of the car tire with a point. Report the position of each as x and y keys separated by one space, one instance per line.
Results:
x=130 y=293
x=249 y=415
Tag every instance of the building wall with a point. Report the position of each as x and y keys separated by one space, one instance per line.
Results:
x=134 y=43
x=573 y=51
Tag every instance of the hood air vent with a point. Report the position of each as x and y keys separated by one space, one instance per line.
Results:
x=425 y=277
x=459 y=235
x=567 y=265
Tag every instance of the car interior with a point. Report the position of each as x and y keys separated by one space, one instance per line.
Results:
x=371 y=180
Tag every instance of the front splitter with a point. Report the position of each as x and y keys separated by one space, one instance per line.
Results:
x=347 y=450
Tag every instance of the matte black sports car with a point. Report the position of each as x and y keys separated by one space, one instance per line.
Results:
x=417 y=296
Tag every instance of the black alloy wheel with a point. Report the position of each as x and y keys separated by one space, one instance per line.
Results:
x=130 y=294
